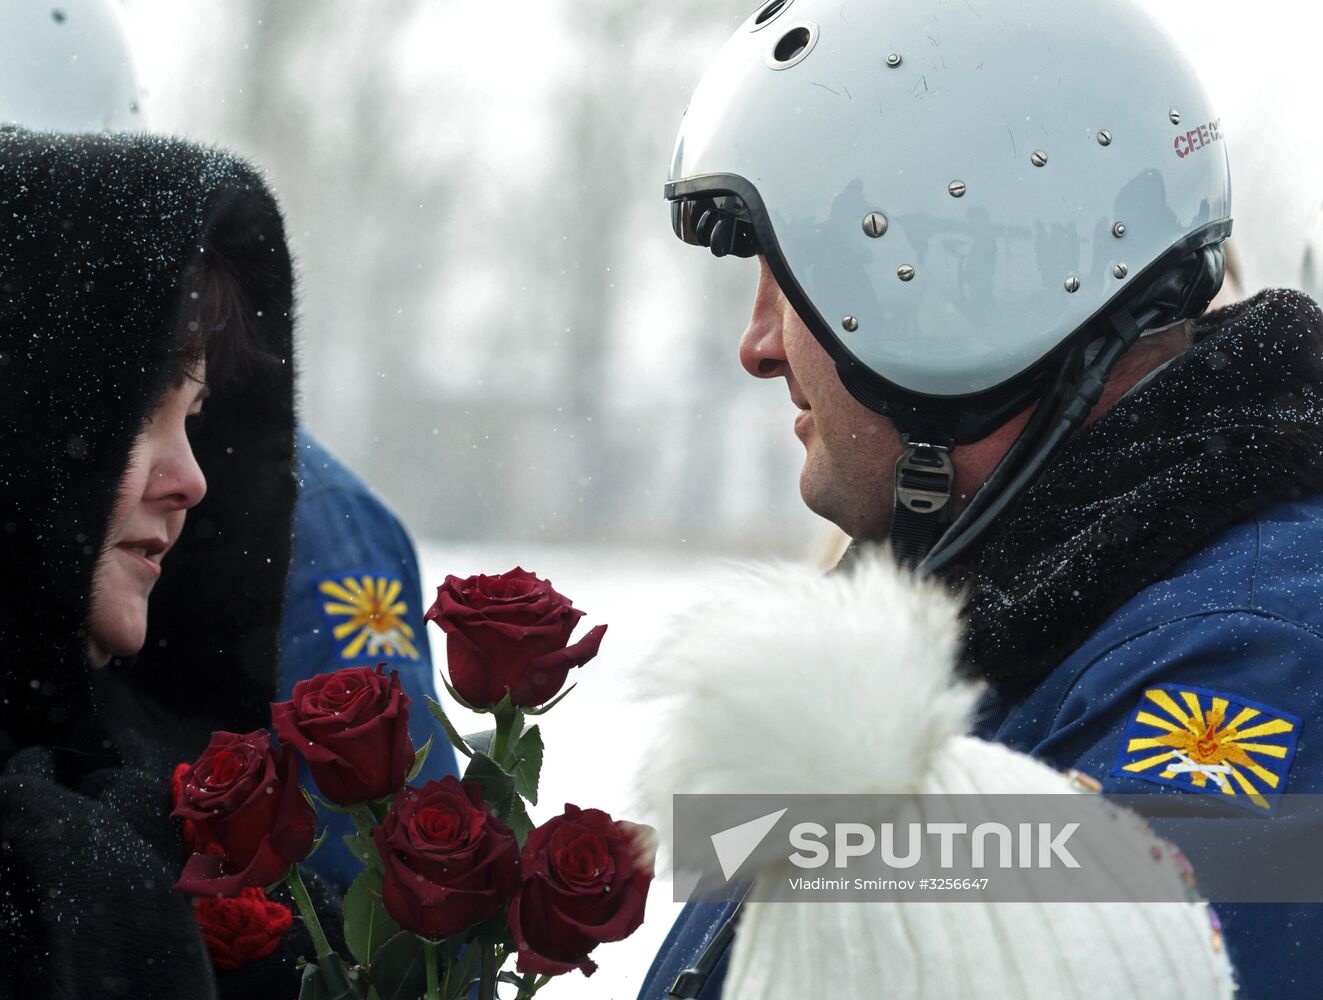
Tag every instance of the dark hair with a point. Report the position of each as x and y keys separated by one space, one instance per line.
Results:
x=215 y=320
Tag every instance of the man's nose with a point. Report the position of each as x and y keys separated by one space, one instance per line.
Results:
x=762 y=349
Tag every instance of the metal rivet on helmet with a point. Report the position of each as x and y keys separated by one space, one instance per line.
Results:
x=1175 y=117
x=905 y=272
x=850 y=324
x=893 y=60
x=875 y=224
x=957 y=189
x=1039 y=158
x=1072 y=284
x=1104 y=138
x=1120 y=270
x=1118 y=230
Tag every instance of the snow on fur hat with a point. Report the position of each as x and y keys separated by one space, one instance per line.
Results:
x=784 y=676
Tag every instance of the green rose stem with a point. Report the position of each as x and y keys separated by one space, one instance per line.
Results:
x=509 y=725
x=491 y=967
x=300 y=893
x=429 y=962
x=364 y=820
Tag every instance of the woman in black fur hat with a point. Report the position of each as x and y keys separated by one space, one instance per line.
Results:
x=141 y=280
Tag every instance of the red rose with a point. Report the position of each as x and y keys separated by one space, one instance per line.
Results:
x=193 y=842
x=352 y=727
x=243 y=929
x=585 y=881
x=244 y=796
x=509 y=632
x=449 y=862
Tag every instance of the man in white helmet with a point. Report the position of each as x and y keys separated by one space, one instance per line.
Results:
x=987 y=235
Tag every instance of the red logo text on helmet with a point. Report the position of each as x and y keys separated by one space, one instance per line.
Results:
x=1197 y=138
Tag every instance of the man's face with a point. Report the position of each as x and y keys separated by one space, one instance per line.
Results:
x=851 y=451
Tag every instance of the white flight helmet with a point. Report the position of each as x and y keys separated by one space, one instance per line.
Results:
x=66 y=66
x=959 y=197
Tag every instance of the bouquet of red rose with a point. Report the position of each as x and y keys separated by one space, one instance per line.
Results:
x=456 y=877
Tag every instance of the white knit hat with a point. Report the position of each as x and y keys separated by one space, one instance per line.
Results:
x=783 y=676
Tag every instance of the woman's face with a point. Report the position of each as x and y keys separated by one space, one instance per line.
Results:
x=161 y=483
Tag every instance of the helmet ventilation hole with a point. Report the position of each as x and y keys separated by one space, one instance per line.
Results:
x=792 y=43
x=769 y=12
x=793 y=46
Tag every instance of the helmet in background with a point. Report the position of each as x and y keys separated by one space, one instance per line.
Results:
x=964 y=200
x=66 y=66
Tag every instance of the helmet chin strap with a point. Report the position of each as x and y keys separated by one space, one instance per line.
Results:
x=1050 y=427
x=925 y=476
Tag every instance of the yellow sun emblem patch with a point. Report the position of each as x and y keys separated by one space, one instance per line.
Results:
x=1209 y=742
x=367 y=618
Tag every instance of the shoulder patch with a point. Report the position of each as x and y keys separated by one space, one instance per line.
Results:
x=1209 y=742
x=367 y=618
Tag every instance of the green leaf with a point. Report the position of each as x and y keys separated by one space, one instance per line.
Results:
x=551 y=704
x=481 y=742
x=330 y=980
x=397 y=971
x=459 y=698
x=311 y=986
x=317 y=802
x=528 y=764
x=364 y=848
x=514 y=979
x=419 y=759
x=464 y=968
x=342 y=982
x=367 y=924
x=519 y=821
x=321 y=839
x=452 y=733
x=497 y=785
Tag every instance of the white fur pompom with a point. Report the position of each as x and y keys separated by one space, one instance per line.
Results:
x=786 y=681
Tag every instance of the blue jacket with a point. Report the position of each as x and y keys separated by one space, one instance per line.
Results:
x=1165 y=578
x=349 y=548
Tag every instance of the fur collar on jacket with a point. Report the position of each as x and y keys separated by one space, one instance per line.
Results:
x=95 y=234
x=1232 y=425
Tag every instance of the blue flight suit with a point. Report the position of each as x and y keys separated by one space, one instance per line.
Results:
x=1241 y=619
x=350 y=548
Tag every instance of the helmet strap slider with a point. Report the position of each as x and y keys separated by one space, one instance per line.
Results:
x=925 y=476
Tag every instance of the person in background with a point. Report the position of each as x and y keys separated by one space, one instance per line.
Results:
x=353 y=596
x=352 y=600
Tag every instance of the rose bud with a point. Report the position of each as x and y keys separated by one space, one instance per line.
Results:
x=586 y=880
x=243 y=796
x=509 y=632
x=449 y=862
x=352 y=727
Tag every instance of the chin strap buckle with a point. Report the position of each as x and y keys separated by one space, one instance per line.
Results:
x=925 y=476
